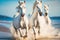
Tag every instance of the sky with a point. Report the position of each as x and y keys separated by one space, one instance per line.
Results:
x=8 y=7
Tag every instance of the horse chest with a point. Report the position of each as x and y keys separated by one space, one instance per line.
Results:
x=23 y=25
x=22 y=22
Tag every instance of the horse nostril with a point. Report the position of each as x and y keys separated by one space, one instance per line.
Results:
x=37 y=6
x=22 y=15
x=40 y=13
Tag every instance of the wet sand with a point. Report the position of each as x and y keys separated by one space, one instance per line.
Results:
x=49 y=39
x=2 y=28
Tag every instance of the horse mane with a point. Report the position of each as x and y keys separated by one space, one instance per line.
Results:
x=21 y=3
x=34 y=5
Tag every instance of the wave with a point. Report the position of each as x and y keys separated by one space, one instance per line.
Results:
x=5 y=18
x=55 y=18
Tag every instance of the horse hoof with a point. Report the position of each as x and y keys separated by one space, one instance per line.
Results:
x=21 y=35
x=34 y=33
x=25 y=36
x=35 y=39
x=38 y=32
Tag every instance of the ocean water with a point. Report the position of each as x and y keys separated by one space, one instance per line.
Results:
x=6 y=39
x=55 y=23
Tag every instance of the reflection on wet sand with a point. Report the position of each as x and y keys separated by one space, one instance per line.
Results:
x=49 y=39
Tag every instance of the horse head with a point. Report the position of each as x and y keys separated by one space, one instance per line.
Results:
x=46 y=10
x=38 y=7
x=21 y=9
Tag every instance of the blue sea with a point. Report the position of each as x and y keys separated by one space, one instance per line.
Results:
x=55 y=21
x=7 y=23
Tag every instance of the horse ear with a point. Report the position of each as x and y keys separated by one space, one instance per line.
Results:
x=41 y=1
x=24 y=1
x=18 y=1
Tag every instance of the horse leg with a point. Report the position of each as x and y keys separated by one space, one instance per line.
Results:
x=25 y=29
x=26 y=32
x=34 y=33
x=20 y=32
x=38 y=29
x=34 y=26
x=15 y=30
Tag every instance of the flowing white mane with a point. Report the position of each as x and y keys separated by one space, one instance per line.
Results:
x=39 y=4
x=46 y=8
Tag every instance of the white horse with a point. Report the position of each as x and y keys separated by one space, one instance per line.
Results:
x=43 y=23
x=48 y=22
x=46 y=30
x=46 y=11
x=20 y=22
x=34 y=23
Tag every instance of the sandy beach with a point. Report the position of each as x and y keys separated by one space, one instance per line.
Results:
x=4 y=29
x=5 y=32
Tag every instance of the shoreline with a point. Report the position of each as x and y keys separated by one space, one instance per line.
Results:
x=4 y=29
